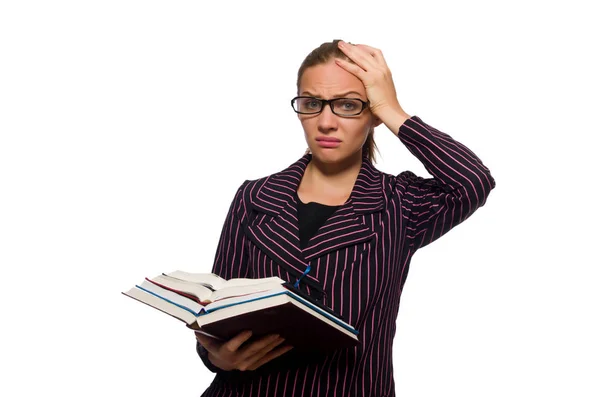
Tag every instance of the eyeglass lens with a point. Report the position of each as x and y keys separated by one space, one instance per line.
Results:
x=341 y=106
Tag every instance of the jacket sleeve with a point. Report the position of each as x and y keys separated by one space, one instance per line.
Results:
x=230 y=259
x=460 y=183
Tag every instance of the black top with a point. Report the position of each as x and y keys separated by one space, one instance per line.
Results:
x=311 y=216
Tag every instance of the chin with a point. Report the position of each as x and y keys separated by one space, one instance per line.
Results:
x=329 y=156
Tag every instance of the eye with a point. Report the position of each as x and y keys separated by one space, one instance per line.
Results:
x=349 y=105
x=312 y=104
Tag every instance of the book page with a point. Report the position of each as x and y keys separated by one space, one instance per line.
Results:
x=210 y=280
x=243 y=290
x=202 y=293
x=172 y=297
x=240 y=282
x=215 y=282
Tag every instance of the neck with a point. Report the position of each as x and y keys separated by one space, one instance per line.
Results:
x=332 y=179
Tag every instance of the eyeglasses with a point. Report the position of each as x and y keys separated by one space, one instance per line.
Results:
x=344 y=107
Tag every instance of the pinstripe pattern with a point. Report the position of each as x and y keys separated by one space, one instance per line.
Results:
x=360 y=257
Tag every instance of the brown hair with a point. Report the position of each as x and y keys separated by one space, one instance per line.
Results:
x=321 y=55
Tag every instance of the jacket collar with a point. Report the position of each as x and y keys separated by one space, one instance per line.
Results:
x=279 y=189
x=278 y=235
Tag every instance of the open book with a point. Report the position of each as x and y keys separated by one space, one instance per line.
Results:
x=223 y=308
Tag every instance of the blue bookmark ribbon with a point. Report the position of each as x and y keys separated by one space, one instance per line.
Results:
x=303 y=274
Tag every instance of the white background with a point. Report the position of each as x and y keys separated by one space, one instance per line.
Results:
x=125 y=132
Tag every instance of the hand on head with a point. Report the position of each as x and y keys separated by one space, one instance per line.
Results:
x=370 y=67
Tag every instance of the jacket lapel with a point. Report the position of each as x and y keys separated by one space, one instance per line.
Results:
x=346 y=226
x=278 y=234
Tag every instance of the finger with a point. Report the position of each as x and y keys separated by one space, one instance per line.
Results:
x=257 y=346
x=358 y=55
x=261 y=353
x=249 y=362
x=234 y=343
x=374 y=52
x=352 y=68
x=271 y=356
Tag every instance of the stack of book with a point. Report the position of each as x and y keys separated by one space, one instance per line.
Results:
x=223 y=308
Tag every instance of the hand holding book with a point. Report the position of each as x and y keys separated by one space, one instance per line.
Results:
x=221 y=309
x=232 y=355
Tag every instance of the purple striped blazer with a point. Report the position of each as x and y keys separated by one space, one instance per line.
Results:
x=360 y=257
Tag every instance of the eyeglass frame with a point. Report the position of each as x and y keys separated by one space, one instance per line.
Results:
x=330 y=103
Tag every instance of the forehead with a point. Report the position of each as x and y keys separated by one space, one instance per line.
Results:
x=329 y=79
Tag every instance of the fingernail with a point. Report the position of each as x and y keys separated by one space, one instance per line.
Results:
x=341 y=43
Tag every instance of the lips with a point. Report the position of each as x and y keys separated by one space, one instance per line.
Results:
x=328 y=139
x=327 y=142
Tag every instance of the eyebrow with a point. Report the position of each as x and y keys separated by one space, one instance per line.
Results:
x=335 y=96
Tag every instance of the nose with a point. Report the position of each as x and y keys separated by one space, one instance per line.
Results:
x=327 y=120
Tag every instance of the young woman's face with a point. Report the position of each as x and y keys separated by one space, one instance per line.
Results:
x=328 y=81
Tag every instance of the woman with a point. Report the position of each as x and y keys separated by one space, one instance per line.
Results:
x=356 y=227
